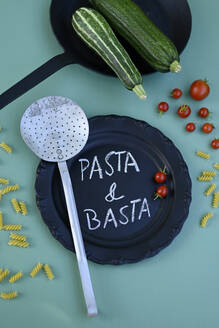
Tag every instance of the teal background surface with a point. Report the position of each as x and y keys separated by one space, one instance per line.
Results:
x=177 y=288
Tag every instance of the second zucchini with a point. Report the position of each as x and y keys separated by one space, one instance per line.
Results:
x=126 y=17
x=98 y=35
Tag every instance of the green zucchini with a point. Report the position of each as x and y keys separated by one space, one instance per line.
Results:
x=127 y=18
x=94 y=30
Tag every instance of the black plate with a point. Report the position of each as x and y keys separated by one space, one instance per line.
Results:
x=123 y=155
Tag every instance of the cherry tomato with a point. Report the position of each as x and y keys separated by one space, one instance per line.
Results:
x=176 y=93
x=162 y=191
x=215 y=144
x=160 y=177
x=203 y=112
x=184 y=111
x=190 y=127
x=163 y=107
x=207 y=128
x=199 y=89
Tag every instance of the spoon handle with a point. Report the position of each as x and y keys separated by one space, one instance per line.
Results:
x=78 y=241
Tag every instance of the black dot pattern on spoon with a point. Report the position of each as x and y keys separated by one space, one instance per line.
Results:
x=55 y=128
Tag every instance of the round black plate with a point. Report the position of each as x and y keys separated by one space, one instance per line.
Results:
x=114 y=190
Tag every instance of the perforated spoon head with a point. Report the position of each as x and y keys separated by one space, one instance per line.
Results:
x=55 y=128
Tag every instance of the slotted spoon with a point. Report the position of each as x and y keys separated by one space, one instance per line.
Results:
x=56 y=129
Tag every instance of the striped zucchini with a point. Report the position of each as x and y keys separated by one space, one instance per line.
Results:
x=98 y=35
x=126 y=17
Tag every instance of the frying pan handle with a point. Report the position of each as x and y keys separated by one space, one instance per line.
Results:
x=34 y=78
x=78 y=241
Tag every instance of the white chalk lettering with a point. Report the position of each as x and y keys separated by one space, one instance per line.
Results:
x=93 y=219
x=125 y=216
x=107 y=219
x=131 y=163
x=83 y=168
x=113 y=162
x=119 y=153
x=130 y=213
x=107 y=162
x=111 y=196
x=97 y=169
x=144 y=208
x=133 y=202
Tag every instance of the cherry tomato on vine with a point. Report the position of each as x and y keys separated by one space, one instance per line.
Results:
x=161 y=192
x=199 y=89
x=190 y=127
x=176 y=93
x=160 y=177
x=203 y=112
x=163 y=107
x=215 y=144
x=184 y=111
x=207 y=128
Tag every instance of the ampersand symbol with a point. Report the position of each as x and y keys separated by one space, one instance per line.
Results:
x=110 y=197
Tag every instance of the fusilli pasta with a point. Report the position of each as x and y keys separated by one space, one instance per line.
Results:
x=17 y=236
x=215 y=201
x=6 y=147
x=48 y=271
x=18 y=243
x=8 y=296
x=210 y=189
x=15 y=277
x=15 y=205
x=23 y=208
x=12 y=227
x=36 y=269
x=205 y=219
x=205 y=178
x=202 y=154
x=4 y=181
x=9 y=189
x=209 y=173
x=1 y=221
x=4 y=274
x=216 y=166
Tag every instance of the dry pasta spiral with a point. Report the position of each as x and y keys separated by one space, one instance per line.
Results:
x=9 y=189
x=209 y=173
x=4 y=274
x=8 y=296
x=36 y=269
x=215 y=201
x=4 y=181
x=202 y=154
x=15 y=277
x=15 y=205
x=205 y=219
x=205 y=178
x=1 y=221
x=6 y=147
x=216 y=166
x=12 y=227
x=17 y=236
x=18 y=243
x=23 y=208
x=48 y=271
x=210 y=189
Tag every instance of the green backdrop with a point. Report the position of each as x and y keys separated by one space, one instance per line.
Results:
x=177 y=288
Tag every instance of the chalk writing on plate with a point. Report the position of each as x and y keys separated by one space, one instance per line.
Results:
x=131 y=212
x=123 y=162
x=110 y=197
